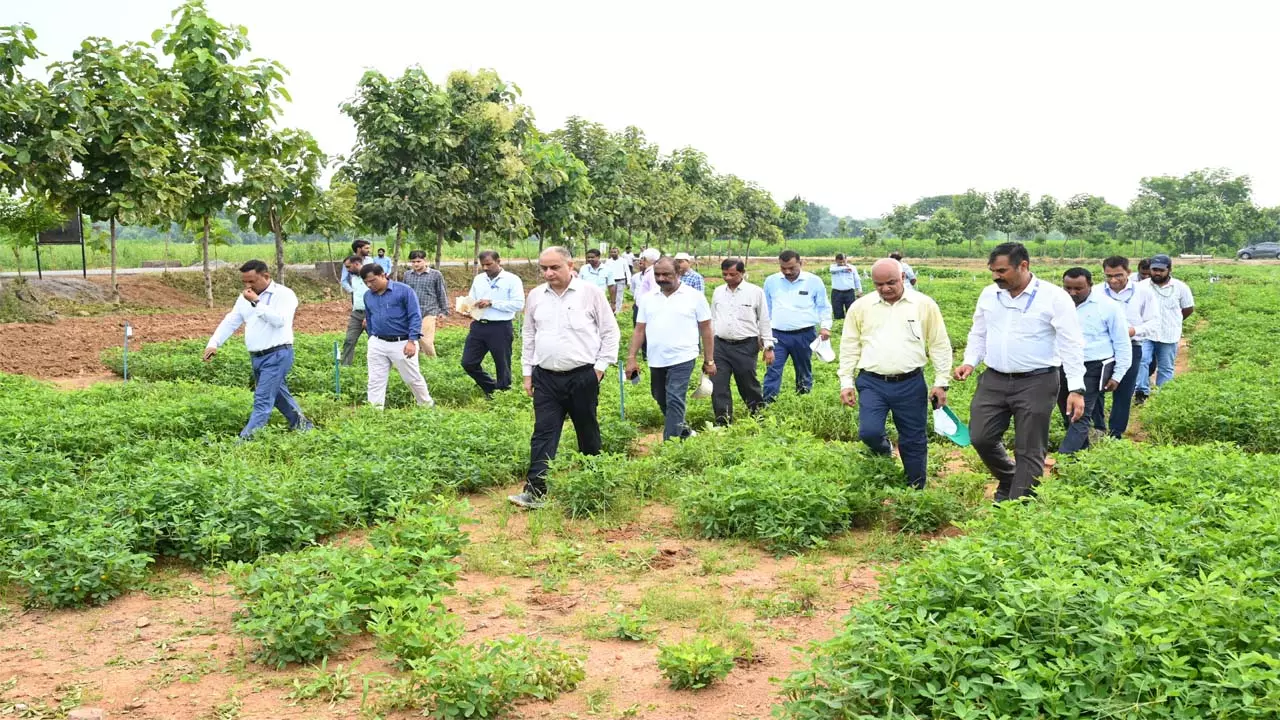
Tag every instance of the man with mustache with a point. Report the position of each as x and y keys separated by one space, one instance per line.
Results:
x=1174 y=304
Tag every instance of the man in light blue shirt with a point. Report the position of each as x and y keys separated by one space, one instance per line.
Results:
x=499 y=295
x=846 y=286
x=798 y=312
x=383 y=261
x=1107 y=353
x=352 y=283
x=597 y=273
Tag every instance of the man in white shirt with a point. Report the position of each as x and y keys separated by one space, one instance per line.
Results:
x=1141 y=313
x=620 y=270
x=671 y=320
x=846 y=286
x=570 y=338
x=499 y=295
x=266 y=309
x=1026 y=331
x=1174 y=304
x=907 y=271
x=740 y=319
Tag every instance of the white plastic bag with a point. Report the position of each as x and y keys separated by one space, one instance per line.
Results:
x=822 y=348
x=704 y=387
x=943 y=424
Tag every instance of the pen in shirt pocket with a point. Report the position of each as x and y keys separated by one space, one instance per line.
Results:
x=911 y=325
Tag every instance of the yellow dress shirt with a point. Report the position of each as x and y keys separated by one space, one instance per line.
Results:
x=894 y=339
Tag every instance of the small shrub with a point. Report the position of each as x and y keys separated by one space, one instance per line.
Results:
x=589 y=485
x=630 y=626
x=413 y=628
x=694 y=664
x=919 y=511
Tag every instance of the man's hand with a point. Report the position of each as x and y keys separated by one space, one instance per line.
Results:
x=1075 y=406
x=1111 y=385
x=632 y=368
x=768 y=356
x=209 y=352
x=825 y=334
x=528 y=385
x=1133 y=331
x=938 y=397
x=250 y=295
x=482 y=304
x=963 y=372
x=709 y=368
x=364 y=324
x=411 y=348
x=849 y=397
x=599 y=375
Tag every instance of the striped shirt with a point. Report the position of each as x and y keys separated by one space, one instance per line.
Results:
x=433 y=297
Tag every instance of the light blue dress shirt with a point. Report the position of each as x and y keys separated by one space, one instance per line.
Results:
x=1106 y=332
x=505 y=291
x=845 y=277
x=799 y=304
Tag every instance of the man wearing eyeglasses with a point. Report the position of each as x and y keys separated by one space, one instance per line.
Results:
x=499 y=295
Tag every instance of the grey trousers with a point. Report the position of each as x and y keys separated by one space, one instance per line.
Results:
x=1029 y=402
x=355 y=326
x=738 y=362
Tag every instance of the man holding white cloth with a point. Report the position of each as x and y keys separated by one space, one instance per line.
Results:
x=394 y=321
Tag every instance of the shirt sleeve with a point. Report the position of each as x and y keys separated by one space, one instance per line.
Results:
x=1185 y=299
x=940 y=352
x=279 y=312
x=442 y=292
x=413 y=312
x=821 y=304
x=768 y=296
x=345 y=280
x=1069 y=339
x=857 y=279
x=762 y=319
x=610 y=335
x=1120 y=345
x=1148 y=314
x=975 y=348
x=850 y=348
x=642 y=312
x=703 y=310
x=228 y=326
x=514 y=302
x=528 y=331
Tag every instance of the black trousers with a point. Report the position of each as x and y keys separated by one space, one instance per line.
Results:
x=735 y=361
x=575 y=393
x=1029 y=402
x=840 y=302
x=489 y=338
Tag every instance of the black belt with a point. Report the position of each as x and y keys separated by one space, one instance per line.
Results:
x=392 y=338
x=268 y=351
x=574 y=371
x=1027 y=374
x=792 y=332
x=727 y=341
x=892 y=378
x=492 y=322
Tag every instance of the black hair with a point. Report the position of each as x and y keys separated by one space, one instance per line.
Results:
x=788 y=256
x=839 y=256
x=628 y=248
x=1144 y=264
x=254 y=266
x=382 y=251
x=488 y=255
x=371 y=269
x=592 y=252
x=1078 y=272
x=1116 y=261
x=353 y=259
x=1015 y=251
x=357 y=244
x=896 y=255
x=734 y=263
x=415 y=254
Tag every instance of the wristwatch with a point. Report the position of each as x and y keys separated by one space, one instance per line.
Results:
x=1079 y=391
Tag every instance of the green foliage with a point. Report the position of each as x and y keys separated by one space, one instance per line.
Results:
x=632 y=626
x=694 y=664
x=590 y=485
x=920 y=511
x=413 y=628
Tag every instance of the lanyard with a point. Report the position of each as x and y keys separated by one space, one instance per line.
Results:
x=1113 y=296
x=1030 y=299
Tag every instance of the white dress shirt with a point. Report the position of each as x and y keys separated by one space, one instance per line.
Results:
x=267 y=325
x=505 y=292
x=671 y=325
x=566 y=331
x=1171 y=299
x=741 y=313
x=1037 y=329
x=1139 y=308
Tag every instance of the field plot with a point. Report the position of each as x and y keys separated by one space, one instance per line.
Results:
x=372 y=568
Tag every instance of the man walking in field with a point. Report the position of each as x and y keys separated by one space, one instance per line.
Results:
x=499 y=295
x=1107 y=353
x=846 y=286
x=671 y=321
x=689 y=276
x=570 y=338
x=1027 y=333
x=907 y=271
x=433 y=298
x=351 y=283
x=266 y=310
x=740 y=320
x=391 y=311
x=1141 y=314
x=1174 y=304
x=887 y=339
x=798 y=312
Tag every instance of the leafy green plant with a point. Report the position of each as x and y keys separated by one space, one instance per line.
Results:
x=629 y=626
x=694 y=664
x=413 y=628
x=589 y=485
x=920 y=511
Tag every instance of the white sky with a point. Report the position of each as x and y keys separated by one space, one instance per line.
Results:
x=854 y=105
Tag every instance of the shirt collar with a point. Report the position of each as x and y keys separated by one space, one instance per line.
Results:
x=575 y=283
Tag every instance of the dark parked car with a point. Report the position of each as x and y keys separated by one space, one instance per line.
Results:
x=1259 y=250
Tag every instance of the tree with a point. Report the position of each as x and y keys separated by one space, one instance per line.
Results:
x=1145 y=220
x=1076 y=219
x=1046 y=212
x=334 y=213
x=606 y=160
x=793 y=219
x=944 y=228
x=971 y=210
x=842 y=228
x=760 y=216
x=124 y=107
x=901 y=221
x=38 y=137
x=228 y=106
x=929 y=205
x=561 y=193
x=870 y=237
x=1205 y=191
x=22 y=219
x=1008 y=206
x=279 y=186
x=1198 y=221
x=639 y=203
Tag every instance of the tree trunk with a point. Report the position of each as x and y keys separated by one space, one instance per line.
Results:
x=279 y=233
x=476 y=255
x=540 y=241
x=166 y=246
x=115 y=288
x=208 y=273
x=439 y=246
x=395 y=251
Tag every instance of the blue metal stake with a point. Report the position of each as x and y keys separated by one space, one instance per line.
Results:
x=337 y=371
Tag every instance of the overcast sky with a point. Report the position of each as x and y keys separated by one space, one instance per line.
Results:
x=855 y=108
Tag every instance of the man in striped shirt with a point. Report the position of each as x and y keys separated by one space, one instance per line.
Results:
x=433 y=298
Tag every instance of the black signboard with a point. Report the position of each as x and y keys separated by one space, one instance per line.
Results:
x=69 y=233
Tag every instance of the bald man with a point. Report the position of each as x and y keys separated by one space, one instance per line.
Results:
x=888 y=337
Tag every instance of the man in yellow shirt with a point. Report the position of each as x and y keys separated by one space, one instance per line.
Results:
x=887 y=339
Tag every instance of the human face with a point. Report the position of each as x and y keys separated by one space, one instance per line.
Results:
x=682 y=266
x=363 y=251
x=888 y=284
x=382 y=253
x=1160 y=276
x=1144 y=273
x=613 y=253
x=790 y=269
x=593 y=260
x=1117 y=278
x=664 y=273
x=840 y=261
x=1078 y=288
x=1008 y=276
x=491 y=267
x=376 y=283
x=418 y=264
x=255 y=281
x=556 y=269
x=732 y=277
x=353 y=268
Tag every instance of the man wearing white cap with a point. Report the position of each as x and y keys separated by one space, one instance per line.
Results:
x=688 y=276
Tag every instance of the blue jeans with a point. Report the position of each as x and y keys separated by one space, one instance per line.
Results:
x=909 y=401
x=1121 y=400
x=669 y=386
x=1163 y=354
x=270 y=391
x=793 y=344
x=1077 y=436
